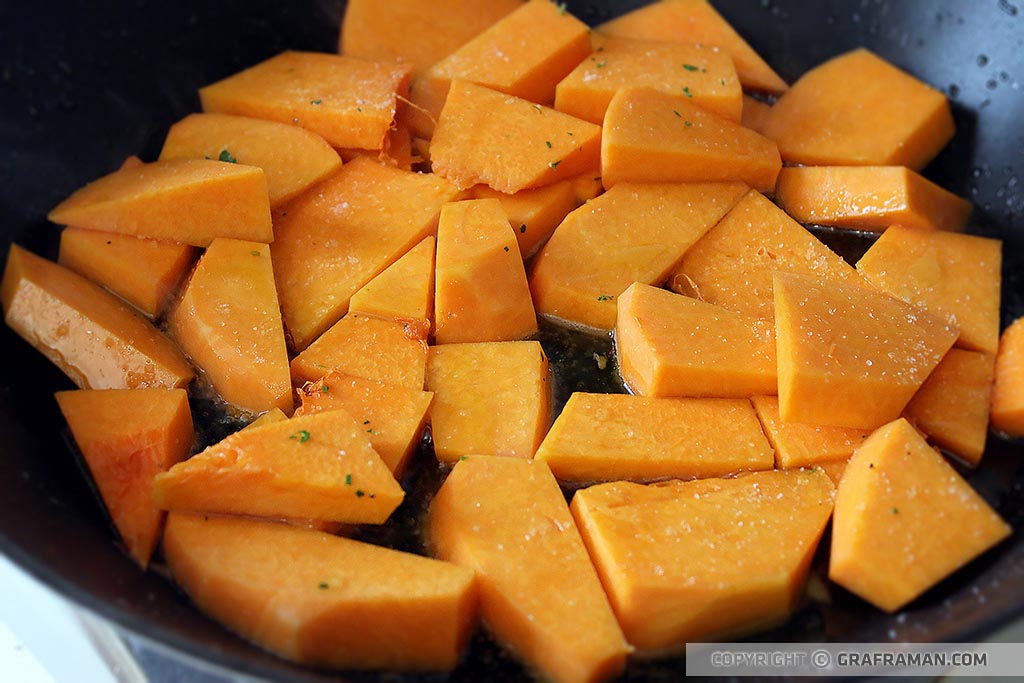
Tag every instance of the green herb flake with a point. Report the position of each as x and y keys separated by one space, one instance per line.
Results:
x=360 y=493
x=316 y=102
x=463 y=457
x=686 y=91
x=506 y=247
x=325 y=389
x=689 y=67
x=554 y=164
x=548 y=143
x=605 y=297
x=688 y=124
x=253 y=252
x=561 y=8
x=226 y=157
x=302 y=436
x=323 y=586
x=895 y=511
x=676 y=112
x=569 y=134
x=366 y=422
x=722 y=81
x=602 y=64
x=522 y=228
x=348 y=480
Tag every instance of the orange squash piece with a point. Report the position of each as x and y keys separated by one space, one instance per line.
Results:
x=331 y=242
x=184 y=200
x=955 y=277
x=93 y=337
x=380 y=32
x=404 y=291
x=696 y=21
x=632 y=233
x=672 y=345
x=508 y=143
x=508 y=522
x=705 y=72
x=316 y=467
x=144 y=272
x=732 y=265
x=481 y=289
x=804 y=445
x=609 y=437
x=228 y=321
x=850 y=356
x=126 y=437
x=755 y=113
x=588 y=186
x=704 y=560
x=364 y=346
x=859 y=110
x=508 y=414
x=393 y=416
x=292 y=158
x=525 y=54
x=348 y=102
x=270 y=417
x=651 y=136
x=904 y=520
x=868 y=198
x=322 y=600
x=534 y=214
x=1008 y=389
x=952 y=406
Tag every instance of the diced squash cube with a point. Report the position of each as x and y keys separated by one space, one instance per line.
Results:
x=732 y=265
x=859 y=110
x=1008 y=389
x=651 y=136
x=228 y=321
x=608 y=437
x=507 y=521
x=868 y=198
x=952 y=406
x=534 y=214
x=316 y=466
x=955 y=277
x=126 y=437
x=672 y=345
x=509 y=414
x=404 y=291
x=332 y=241
x=321 y=600
x=508 y=143
x=632 y=233
x=848 y=355
x=348 y=102
x=704 y=560
x=93 y=337
x=363 y=346
x=392 y=416
x=904 y=520
x=705 y=72
x=696 y=21
x=184 y=200
x=804 y=445
x=144 y=272
x=755 y=113
x=292 y=158
x=481 y=292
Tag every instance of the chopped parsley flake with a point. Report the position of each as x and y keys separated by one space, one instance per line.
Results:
x=323 y=586
x=325 y=388
x=302 y=436
x=554 y=164
x=360 y=493
x=348 y=480
x=506 y=247
x=895 y=511
x=676 y=112
x=689 y=67
x=463 y=457
x=548 y=143
x=253 y=252
x=605 y=297
x=226 y=157
x=315 y=101
x=366 y=422
x=686 y=91
x=522 y=228
x=602 y=64
x=687 y=123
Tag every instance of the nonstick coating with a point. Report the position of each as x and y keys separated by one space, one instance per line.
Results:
x=82 y=85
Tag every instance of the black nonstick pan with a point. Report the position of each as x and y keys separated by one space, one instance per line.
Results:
x=83 y=85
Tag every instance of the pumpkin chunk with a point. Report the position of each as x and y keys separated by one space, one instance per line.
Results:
x=481 y=288
x=672 y=345
x=270 y=417
x=696 y=21
x=331 y=242
x=859 y=110
x=364 y=346
x=952 y=406
x=703 y=560
x=322 y=600
x=93 y=337
x=126 y=437
x=183 y=200
x=656 y=137
x=904 y=520
x=316 y=466
x=850 y=356
x=632 y=233
x=144 y=272
x=508 y=143
x=804 y=445
x=534 y=214
x=506 y=415
x=507 y=521
x=348 y=102
x=732 y=265
x=292 y=158
x=705 y=72
x=404 y=291
x=606 y=437
x=955 y=277
x=229 y=323
x=1008 y=390
x=868 y=198
x=392 y=416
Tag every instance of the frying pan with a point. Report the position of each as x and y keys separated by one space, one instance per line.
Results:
x=82 y=86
